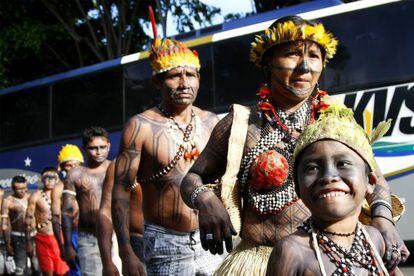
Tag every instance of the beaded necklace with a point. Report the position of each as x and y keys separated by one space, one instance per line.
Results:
x=276 y=133
x=187 y=149
x=361 y=254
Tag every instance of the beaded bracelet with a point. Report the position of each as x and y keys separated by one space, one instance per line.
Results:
x=379 y=216
x=382 y=203
x=196 y=192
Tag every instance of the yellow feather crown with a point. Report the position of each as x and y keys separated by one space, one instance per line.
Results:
x=289 y=31
x=167 y=54
x=70 y=153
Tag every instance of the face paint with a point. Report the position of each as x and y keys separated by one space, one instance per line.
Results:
x=180 y=85
x=295 y=70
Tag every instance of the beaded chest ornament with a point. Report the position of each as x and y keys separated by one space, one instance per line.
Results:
x=277 y=133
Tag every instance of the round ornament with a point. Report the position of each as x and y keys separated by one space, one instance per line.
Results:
x=268 y=171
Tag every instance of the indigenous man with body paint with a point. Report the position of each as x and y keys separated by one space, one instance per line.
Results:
x=157 y=149
x=107 y=245
x=39 y=214
x=334 y=172
x=84 y=184
x=13 y=216
x=291 y=54
x=69 y=157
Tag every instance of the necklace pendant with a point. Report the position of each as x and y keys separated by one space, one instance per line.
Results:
x=192 y=154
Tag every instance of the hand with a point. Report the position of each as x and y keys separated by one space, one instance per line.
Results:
x=109 y=269
x=9 y=249
x=29 y=249
x=215 y=224
x=131 y=265
x=70 y=256
x=395 y=250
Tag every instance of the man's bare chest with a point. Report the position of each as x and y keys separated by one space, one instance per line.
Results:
x=90 y=182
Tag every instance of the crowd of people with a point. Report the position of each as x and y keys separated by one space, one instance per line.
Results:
x=284 y=179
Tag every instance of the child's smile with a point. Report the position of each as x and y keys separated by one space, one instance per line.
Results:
x=332 y=179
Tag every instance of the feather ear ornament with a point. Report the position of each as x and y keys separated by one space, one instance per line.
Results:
x=381 y=129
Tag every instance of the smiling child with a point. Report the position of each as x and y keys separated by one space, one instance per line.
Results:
x=334 y=172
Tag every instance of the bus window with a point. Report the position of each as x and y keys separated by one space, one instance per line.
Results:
x=140 y=93
x=205 y=98
x=237 y=80
x=92 y=100
x=24 y=117
x=375 y=52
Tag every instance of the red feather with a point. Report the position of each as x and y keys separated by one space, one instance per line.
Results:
x=153 y=24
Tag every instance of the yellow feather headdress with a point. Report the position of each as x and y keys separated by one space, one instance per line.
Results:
x=167 y=54
x=290 y=31
x=70 y=153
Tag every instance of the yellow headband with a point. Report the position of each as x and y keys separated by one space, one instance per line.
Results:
x=70 y=153
x=167 y=54
x=289 y=31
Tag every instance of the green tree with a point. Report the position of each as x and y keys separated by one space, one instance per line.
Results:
x=43 y=37
x=29 y=39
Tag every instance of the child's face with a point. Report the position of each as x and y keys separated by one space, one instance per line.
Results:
x=332 y=180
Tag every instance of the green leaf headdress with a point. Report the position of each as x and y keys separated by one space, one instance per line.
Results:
x=337 y=122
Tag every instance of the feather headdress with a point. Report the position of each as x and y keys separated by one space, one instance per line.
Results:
x=70 y=153
x=290 y=31
x=167 y=54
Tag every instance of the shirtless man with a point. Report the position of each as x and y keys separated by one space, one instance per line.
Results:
x=13 y=218
x=69 y=157
x=85 y=182
x=105 y=228
x=39 y=213
x=158 y=147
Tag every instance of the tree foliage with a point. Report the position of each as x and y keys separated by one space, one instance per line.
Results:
x=43 y=37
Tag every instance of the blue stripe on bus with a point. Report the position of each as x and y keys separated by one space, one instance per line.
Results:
x=398 y=175
x=393 y=153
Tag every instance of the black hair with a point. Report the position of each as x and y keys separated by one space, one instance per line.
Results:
x=18 y=179
x=160 y=76
x=92 y=132
x=49 y=169
x=265 y=59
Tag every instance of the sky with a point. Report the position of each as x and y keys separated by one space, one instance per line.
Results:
x=230 y=6
x=226 y=6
